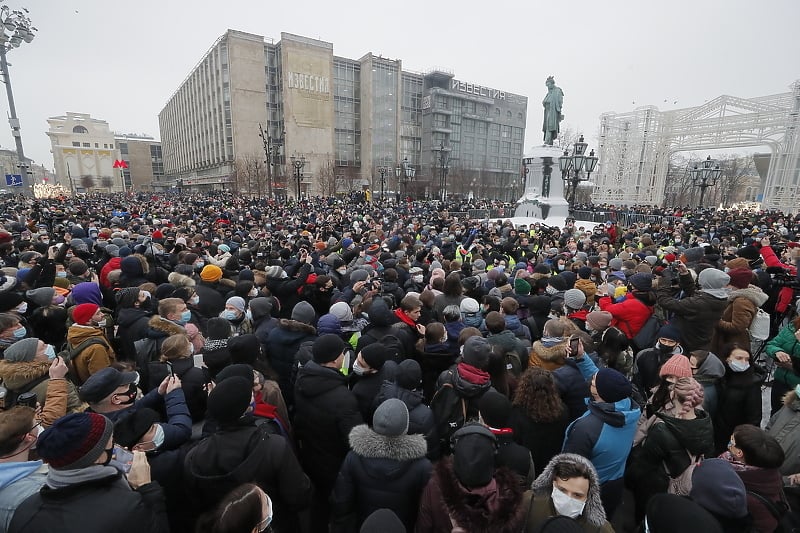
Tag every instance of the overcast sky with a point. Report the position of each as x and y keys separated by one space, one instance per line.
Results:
x=121 y=61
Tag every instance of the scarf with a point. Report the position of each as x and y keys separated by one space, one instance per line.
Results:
x=405 y=319
x=215 y=344
x=58 y=479
x=472 y=374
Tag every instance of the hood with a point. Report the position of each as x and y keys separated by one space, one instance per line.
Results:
x=179 y=280
x=711 y=369
x=16 y=375
x=752 y=293
x=87 y=292
x=161 y=327
x=469 y=390
x=615 y=414
x=289 y=326
x=365 y=442
x=512 y=322
x=593 y=511
x=379 y=313
x=215 y=461
x=128 y=316
x=393 y=390
x=76 y=334
x=454 y=328
x=11 y=472
x=557 y=353
x=505 y=339
x=314 y=380
x=694 y=435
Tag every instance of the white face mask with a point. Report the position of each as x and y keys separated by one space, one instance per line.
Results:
x=194 y=300
x=22 y=308
x=417 y=279
x=565 y=505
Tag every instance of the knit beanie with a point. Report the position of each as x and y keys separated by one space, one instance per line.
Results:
x=211 y=273
x=22 y=351
x=83 y=313
x=750 y=253
x=229 y=400
x=391 y=418
x=574 y=298
x=78 y=267
x=304 y=312
x=693 y=255
x=129 y=430
x=740 y=277
x=218 y=328
x=260 y=307
x=329 y=324
x=327 y=348
x=469 y=305
x=75 y=441
x=642 y=281
x=739 y=262
x=718 y=489
x=599 y=320
x=43 y=296
x=374 y=355
x=670 y=332
x=9 y=300
x=521 y=287
x=558 y=283
x=612 y=386
x=678 y=365
x=244 y=348
x=342 y=311
x=237 y=302
x=474 y=455
x=615 y=264
x=585 y=272
x=408 y=374
x=495 y=409
x=476 y=352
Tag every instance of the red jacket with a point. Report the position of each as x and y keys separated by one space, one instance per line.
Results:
x=628 y=315
x=786 y=293
x=113 y=264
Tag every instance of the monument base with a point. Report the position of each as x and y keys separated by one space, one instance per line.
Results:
x=544 y=193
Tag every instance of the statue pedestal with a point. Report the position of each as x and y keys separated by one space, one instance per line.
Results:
x=544 y=189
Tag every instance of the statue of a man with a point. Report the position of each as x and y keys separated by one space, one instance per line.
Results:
x=552 y=103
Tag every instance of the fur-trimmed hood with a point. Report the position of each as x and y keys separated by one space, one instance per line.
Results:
x=294 y=325
x=179 y=280
x=752 y=293
x=16 y=375
x=593 y=511
x=365 y=442
x=556 y=353
x=167 y=327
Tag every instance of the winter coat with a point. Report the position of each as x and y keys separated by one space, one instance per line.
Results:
x=283 y=343
x=548 y=354
x=734 y=325
x=708 y=374
x=379 y=473
x=648 y=364
x=785 y=427
x=514 y=456
x=366 y=388
x=446 y=503
x=587 y=287
x=49 y=324
x=786 y=341
x=158 y=330
x=216 y=356
x=768 y=483
x=18 y=480
x=99 y=505
x=93 y=358
x=543 y=439
x=420 y=416
x=20 y=375
x=242 y=453
x=325 y=413
x=629 y=315
x=133 y=325
x=515 y=326
x=695 y=315
x=441 y=301
x=193 y=382
x=739 y=403
x=435 y=359
x=285 y=289
x=506 y=341
x=211 y=302
x=593 y=517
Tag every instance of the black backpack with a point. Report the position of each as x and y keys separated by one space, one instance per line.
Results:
x=449 y=415
x=788 y=520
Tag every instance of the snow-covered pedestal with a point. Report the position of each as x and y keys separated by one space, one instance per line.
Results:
x=544 y=189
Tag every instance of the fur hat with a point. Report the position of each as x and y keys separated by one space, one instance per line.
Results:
x=391 y=418
x=75 y=441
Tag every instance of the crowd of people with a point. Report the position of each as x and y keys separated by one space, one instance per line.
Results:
x=224 y=364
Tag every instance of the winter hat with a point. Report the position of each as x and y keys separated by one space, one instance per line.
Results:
x=346 y=243
x=558 y=283
x=274 y=272
x=495 y=409
x=476 y=352
x=570 y=277
x=574 y=298
x=131 y=266
x=391 y=418
x=718 y=489
x=408 y=374
x=739 y=262
x=78 y=267
x=244 y=348
x=211 y=273
x=112 y=250
x=642 y=281
x=304 y=312
x=478 y=265
x=83 y=313
x=559 y=524
x=102 y=383
x=670 y=332
x=229 y=400
x=10 y=300
x=129 y=430
x=223 y=248
x=75 y=441
x=342 y=311
x=599 y=320
x=218 y=328
x=612 y=386
x=358 y=275
x=740 y=277
x=667 y=513
x=619 y=274
x=521 y=287
x=473 y=455
x=260 y=306
x=43 y=296
x=164 y=291
x=615 y=264
x=469 y=305
x=329 y=324
x=327 y=348
x=693 y=255
x=22 y=351
x=750 y=253
x=241 y=370
x=711 y=279
x=678 y=365
x=87 y=293
x=237 y=302
x=374 y=355
x=383 y=521
x=651 y=260
x=584 y=272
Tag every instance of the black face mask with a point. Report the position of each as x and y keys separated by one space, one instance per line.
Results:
x=130 y=393
x=109 y=456
x=665 y=349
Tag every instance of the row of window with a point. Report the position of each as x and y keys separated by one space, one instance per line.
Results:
x=89 y=145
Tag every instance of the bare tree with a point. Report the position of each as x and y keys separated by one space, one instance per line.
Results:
x=107 y=182
x=348 y=179
x=736 y=173
x=249 y=174
x=87 y=182
x=326 y=177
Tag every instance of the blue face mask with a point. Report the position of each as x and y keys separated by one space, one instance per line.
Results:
x=186 y=316
x=158 y=438
x=50 y=352
x=229 y=315
x=62 y=274
x=20 y=332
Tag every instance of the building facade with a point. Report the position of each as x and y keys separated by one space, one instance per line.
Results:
x=343 y=119
x=145 y=162
x=84 y=152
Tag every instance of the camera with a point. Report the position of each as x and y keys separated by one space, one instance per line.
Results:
x=783 y=278
x=27 y=399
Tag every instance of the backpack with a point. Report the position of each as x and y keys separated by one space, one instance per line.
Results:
x=681 y=485
x=647 y=336
x=449 y=414
x=68 y=355
x=759 y=327
x=146 y=352
x=788 y=521
x=8 y=397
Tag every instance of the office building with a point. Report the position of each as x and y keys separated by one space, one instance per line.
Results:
x=145 y=165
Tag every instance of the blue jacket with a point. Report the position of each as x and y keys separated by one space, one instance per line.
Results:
x=18 y=481
x=604 y=434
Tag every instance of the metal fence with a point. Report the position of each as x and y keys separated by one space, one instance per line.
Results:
x=623 y=218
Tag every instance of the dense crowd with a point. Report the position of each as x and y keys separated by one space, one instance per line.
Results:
x=229 y=364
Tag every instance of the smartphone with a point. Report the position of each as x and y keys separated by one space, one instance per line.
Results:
x=198 y=360
x=573 y=345
x=171 y=370
x=28 y=399
x=122 y=458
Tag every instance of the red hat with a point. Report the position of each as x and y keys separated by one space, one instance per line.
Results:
x=678 y=365
x=669 y=258
x=83 y=313
x=157 y=235
x=741 y=277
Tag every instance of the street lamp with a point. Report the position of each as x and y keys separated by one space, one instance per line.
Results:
x=15 y=28
x=298 y=164
x=443 y=159
x=405 y=174
x=271 y=151
x=572 y=167
x=705 y=176
x=382 y=170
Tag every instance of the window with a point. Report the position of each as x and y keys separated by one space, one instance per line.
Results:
x=97 y=145
x=469 y=125
x=74 y=143
x=87 y=145
x=494 y=146
x=482 y=127
x=79 y=129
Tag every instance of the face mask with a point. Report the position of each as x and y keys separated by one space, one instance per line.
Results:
x=253 y=293
x=561 y=267
x=61 y=274
x=130 y=394
x=249 y=315
x=158 y=438
x=358 y=369
x=341 y=271
x=566 y=506
x=199 y=264
x=664 y=349
x=230 y=315
x=45 y=241
x=417 y=279
x=109 y=456
x=20 y=332
x=50 y=352
x=21 y=308
x=737 y=366
x=102 y=323
x=186 y=316
x=194 y=300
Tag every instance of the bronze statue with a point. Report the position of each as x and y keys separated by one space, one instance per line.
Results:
x=552 y=103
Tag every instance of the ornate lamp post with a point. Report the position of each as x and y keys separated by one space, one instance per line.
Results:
x=443 y=159
x=405 y=174
x=271 y=151
x=298 y=164
x=15 y=28
x=573 y=166
x=705 y=175
x=382 y=170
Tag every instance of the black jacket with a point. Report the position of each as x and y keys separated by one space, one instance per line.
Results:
x=695 y=315
x=420 y=416
x=212 y=302
x=133 y=325
x=543 y=439
x=572 y=388
x=100 y=505
x=325 y=413
x=366 y=388
x=193 y=381
x=739 y=403
x=283 y=343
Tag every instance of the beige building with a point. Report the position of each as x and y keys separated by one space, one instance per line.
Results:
x=142 y=153
x=84 y=152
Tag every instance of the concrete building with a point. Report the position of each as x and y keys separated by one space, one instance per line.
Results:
x=84 y=152
x=145 y=170
x=344 y=118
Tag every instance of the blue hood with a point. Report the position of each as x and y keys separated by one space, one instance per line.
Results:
x=11 y=472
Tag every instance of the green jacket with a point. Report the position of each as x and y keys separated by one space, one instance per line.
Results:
x=785 y=341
